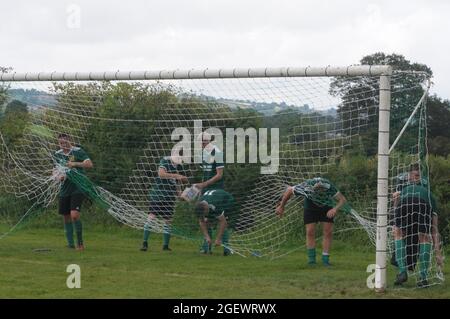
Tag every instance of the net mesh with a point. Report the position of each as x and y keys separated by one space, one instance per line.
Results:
x=327 y=127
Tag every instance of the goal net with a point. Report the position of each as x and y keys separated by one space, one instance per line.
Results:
x=274 y=128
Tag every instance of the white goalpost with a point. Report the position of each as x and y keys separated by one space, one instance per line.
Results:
x=357 y=70
x=383 y=180
x=321 y=112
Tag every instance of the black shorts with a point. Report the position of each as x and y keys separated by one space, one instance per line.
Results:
x=69 y=203
x=413 y=214
x=315 y=214
x=163 y=209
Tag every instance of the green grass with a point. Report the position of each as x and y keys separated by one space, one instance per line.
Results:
x=113 y=267
x=42 y=131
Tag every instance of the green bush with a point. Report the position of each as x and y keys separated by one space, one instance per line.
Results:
x=440 y=186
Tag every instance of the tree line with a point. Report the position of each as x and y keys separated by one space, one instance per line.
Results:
x=141 y=130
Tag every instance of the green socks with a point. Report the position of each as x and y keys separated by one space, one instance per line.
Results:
x=424 y=259
x=146 y=231
x=79 y=231
x=205 y=246
x=311 y=252
x=311 y=255
x=225 y=238
x=68 y=230
x=400 y=253
x=326 y=259
x=166 y=236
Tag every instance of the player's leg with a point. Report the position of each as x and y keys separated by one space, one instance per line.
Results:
x=157 y=208
x=163 y=208
x=222 y=231
x=425 y=242
x=64 y=210
x=225 y=242
x=167 y=211
x=400 y=222
x=75 y=215
x=327 y=239
x=400 y=251
x=437 y=240
x=311 y=242
x=207 y=248
x=424 y=258
x=75 y=208
x=166 y=232
x=310 y=218
x=391 y=244
x=327 y=226
x=147 y=230
x=400 y=255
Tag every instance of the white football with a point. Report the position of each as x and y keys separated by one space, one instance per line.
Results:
x=58 y=175
x=190 y=193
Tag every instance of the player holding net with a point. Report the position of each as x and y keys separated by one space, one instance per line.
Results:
x=70 y=158
x=215 y=205
x=162 y=198
x=213 y=178
x=135 y=117
x=415 y=219
x=319 y=196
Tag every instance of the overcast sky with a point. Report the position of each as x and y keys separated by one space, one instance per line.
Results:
x=169 y=34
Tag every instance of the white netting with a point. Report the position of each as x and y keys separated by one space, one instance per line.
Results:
x=414 y=211
x=126 y=128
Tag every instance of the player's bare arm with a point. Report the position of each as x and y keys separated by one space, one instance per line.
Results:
x=286 y=196
x=85 y=164
x=341 y=201
x=222 y=226
x=204 y=229
x=162 y=173
x=217 y=177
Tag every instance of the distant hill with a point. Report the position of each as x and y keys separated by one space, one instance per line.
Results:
x=270 y=109
x=33 y=98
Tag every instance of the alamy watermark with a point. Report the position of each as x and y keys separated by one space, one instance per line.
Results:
x=247 y=144
x=74 y=279
x=373 y=280
x=73 y=20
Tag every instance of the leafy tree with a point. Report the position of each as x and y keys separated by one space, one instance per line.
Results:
x=285 y=120
x=15 y=120
x=438 y=120
x=239 y=174
x=360 y=98
x=3 y=91
x=440 y=186
x=16 y=106
x=114 y=123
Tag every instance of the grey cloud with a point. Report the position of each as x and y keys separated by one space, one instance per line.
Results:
x=181 y=34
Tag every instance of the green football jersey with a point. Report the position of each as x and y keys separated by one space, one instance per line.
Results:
x=165 y=189
x=211 y=161
x=419 y=191
x=219 y=202
x=76 y=154
x=320 y=196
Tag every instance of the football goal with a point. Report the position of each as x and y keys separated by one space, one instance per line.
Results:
x=361 y=127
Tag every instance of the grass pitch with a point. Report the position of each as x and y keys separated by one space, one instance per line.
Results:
x=33 y=264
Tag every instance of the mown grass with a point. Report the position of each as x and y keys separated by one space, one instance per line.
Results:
x=113 y=267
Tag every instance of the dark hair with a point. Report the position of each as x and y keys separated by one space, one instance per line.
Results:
x=201 y=209
x=414 y=167
x=63 y=135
